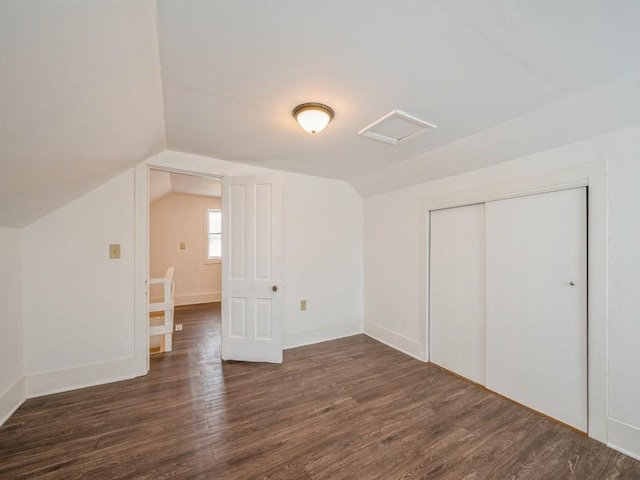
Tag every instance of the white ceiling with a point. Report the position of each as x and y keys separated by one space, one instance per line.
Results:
x=83 y=94
x=232 y=74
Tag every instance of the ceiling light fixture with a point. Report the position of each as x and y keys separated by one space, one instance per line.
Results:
x=313 y=117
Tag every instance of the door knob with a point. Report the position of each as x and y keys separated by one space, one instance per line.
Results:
x=274 y=288
x=572 y=283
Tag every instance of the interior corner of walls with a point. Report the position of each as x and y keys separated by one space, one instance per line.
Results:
x=12 y=398
x=56 y=381
x=624 y=438
x=393 y=340
x=333 y=332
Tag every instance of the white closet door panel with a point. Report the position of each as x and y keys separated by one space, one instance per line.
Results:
x=457 y=296
x=536 y=303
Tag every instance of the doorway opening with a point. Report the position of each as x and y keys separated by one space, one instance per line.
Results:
x=252 y=270
x=184 y=261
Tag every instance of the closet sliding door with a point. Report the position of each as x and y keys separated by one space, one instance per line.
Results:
x=457 y=295
x=536 y=294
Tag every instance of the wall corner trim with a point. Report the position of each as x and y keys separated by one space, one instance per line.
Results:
x=12 y=398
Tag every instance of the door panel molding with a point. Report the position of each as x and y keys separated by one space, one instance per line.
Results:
x=252 y=277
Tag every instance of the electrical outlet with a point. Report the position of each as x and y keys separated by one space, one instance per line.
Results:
x=303 y=305
x=178 y=327
x=114 y=250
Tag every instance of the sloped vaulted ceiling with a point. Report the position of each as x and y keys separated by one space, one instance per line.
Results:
x=80 y=99
x=83 y=93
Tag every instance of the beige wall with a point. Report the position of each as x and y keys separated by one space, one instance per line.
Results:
x=179 y=218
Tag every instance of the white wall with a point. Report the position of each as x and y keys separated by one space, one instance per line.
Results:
x=12 y=390
x=178 y=218
x=393 y=295
x=392 y=268
x=322 y=259
x=78 y=303
x=624 y=292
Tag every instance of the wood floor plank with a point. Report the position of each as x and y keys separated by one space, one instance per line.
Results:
x=347 y=409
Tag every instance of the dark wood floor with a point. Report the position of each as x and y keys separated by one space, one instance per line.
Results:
x=347 y=409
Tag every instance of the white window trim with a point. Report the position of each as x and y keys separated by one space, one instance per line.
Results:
x=205 y=230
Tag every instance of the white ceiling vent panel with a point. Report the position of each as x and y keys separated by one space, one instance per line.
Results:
x=395 y=127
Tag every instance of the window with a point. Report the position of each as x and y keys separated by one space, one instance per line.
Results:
x=214 y=235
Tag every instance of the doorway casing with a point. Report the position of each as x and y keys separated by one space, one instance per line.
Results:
x=173 y=162
x=141 y=333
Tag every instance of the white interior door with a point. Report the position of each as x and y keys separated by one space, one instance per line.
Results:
x=252 y=269
x=457 y=279
x=536 y=263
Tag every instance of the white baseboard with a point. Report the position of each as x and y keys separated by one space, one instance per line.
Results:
x=393 y=339
x=195 y=298
x=56 y=381
x=12 y=398
x=299 y=339
x=624 y=438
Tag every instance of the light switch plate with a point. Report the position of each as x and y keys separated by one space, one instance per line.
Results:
x=303 y=305
x=114 y=250
x=182 y=246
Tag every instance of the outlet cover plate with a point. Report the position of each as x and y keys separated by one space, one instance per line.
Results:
x=114 y=250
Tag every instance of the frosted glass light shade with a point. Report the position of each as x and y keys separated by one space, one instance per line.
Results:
x=313 y=117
